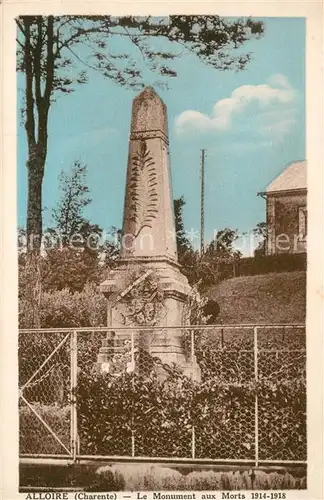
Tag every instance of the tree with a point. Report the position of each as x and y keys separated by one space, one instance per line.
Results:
x=75 y=249
x=221 y=257
x=189 y=258
x=261 y=233
x=217 y=263
x=48 y=51
x=183 y=244
x=223 y=242
x=68 y=216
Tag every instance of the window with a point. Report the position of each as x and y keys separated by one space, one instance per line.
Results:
x=302 y=222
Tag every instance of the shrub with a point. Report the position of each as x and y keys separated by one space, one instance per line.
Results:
x=160 y=416
x=59 y=309
x=264 y=264
x=62 y=309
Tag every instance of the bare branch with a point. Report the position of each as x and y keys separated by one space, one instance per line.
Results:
x=82 y=61
x=19 y=43
x=50 y=60
x=79 y=34
x=37 y=63
x=20 y=26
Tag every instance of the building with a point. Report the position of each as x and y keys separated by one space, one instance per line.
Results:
x=286 y=198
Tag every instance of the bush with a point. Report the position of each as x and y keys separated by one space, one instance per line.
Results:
x=264 y=264
x=63 y=309
x=159 y=417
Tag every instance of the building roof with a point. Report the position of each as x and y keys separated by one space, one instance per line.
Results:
x=294 y=177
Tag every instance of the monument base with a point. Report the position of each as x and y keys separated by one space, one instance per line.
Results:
x=165 y=343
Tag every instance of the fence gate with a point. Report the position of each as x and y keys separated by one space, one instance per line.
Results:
x=250 y=406
x=46 y=406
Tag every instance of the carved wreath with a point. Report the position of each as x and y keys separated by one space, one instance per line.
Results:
x=143 y=303
x=143 y=191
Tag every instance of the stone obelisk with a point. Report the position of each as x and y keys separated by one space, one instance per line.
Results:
x=148 y=234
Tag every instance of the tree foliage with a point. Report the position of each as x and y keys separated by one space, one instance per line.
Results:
x=77 y=251
x=68 y=216
x=183 y=243
x=215 y=264
x=261 y=232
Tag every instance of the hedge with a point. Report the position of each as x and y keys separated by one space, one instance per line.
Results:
x=285 y=262
x=160 y=416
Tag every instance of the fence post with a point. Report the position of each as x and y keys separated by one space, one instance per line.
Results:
x=192 y=336
x=133 y=443
x=193 y=435
x=256 y=402
x=73 y=378
x=193 y=442
x=132 y=349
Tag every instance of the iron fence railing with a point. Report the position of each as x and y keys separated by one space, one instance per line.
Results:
x=248 y=407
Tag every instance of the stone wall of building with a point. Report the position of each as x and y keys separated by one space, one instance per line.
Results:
x=285 y=223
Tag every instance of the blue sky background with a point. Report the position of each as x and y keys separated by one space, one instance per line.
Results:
x=255 y=129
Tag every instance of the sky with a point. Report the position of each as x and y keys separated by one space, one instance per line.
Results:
x=251 y=123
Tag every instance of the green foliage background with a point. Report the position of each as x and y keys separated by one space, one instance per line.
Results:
x=161 y=416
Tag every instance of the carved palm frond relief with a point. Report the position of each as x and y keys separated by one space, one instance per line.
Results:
x=143 y=192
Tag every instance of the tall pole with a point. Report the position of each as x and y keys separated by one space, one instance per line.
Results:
x=202 y=202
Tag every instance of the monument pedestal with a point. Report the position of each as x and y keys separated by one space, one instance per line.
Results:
x=165 y=342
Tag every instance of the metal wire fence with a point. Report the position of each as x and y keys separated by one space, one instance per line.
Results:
x=249 y=406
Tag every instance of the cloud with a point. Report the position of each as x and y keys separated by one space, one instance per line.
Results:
x=264 y=105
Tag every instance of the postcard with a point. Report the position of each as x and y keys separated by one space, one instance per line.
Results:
x=162 y=251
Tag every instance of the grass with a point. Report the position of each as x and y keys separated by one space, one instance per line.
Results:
x=268 y=298
x=33 y=435
x=155 y=477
